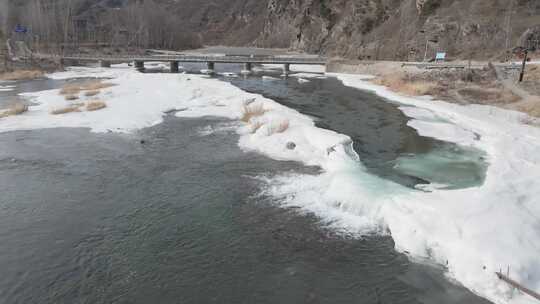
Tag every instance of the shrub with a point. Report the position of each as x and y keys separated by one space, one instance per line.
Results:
x=91 y=93
x=71 y=97
x=67 y=109
x=255 y=125
x=398 y=83
x=95 y=105
x=21 y=75
x=14 y=109
x=531 y=107
x=92 y=86
x=252 y=110
x=279 y=128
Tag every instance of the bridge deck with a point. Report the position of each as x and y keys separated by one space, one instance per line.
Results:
x=202 y=59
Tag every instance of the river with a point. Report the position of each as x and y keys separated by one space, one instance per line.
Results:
x=173 y=214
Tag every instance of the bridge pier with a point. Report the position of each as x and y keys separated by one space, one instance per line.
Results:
x=247 y=68
x=139 y=65
x=286 y=68
x=174 y=66
x=104 y=64
x=210 y=67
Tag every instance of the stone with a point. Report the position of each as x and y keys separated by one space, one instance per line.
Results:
x=291 y=145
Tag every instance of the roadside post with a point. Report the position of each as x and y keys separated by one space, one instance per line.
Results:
x=525 y=53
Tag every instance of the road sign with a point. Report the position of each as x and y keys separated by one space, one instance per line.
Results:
x=20 y=29
x=440 y=56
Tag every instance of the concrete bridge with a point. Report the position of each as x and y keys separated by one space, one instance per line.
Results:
x=174 y=60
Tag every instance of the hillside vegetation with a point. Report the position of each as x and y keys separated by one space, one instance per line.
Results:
x=359 y=29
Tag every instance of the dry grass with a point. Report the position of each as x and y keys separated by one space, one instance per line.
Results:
x=278 y=128
x=14 y=109
x=95 y=105
x=91 y=93
x=488 y=95
x=67 y=109
x=70 y=89
x=531 y=107
x=96 y=85
x=21 y=75
x=252 y=110
x=255 y=125
x=398 y=83
x=91 y=86
x=71 y=97
x=533 y=73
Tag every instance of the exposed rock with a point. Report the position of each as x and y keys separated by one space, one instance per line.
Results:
x=291 y=145
x=397 y=29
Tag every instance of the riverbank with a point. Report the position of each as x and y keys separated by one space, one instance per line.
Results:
x=484 y=84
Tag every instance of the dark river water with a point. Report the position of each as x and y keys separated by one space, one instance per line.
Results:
x=169 y=215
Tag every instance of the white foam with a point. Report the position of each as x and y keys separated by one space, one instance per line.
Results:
x=229 y=74
x=295 y=68
x=270 y=78
x=308 y=75
x=7 y=88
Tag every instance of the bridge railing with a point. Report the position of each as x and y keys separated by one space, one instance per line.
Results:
x=190 y=58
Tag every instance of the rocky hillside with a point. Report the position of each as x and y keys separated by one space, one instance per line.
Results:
x=401 y=29
x=359 y=29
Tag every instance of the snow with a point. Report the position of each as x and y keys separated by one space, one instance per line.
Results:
x=270 y=78
x=493 y=225
x=142 y=100
x=7 y=88
x=229 y=74
x=474 y=231
x=308 y=75
x=305 y=68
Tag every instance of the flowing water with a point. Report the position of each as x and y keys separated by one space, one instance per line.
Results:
x=172 y=214
x=384 y=142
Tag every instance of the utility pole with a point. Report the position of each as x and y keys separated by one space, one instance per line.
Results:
x=526 y=52
x=425 y=53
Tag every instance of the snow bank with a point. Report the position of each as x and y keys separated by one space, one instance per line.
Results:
x=474 y=231
x=141 y=100
x=308 y=75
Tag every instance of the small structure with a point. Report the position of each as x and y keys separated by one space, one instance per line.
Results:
x=440 y=56
x=174 y=66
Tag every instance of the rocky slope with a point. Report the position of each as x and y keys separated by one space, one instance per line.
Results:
x=401 y=29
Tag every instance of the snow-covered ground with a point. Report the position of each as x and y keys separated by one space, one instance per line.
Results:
x=474 y=231
x=480 y=230
x=294 y=68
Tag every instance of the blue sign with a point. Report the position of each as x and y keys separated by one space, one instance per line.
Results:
x=20 y=29
x=440 y=56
